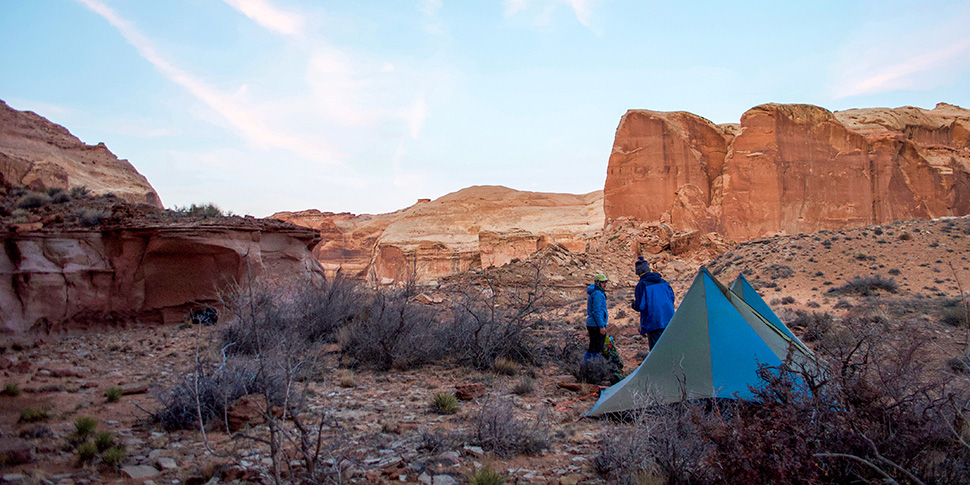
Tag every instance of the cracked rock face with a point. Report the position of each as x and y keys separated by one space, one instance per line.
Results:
x=42 y=155
x=790 y=169
x=74 y=278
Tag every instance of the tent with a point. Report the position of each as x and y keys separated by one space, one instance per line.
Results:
x=712 y=348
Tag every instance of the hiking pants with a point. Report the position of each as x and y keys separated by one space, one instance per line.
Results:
x=596 y=340
x=653 y=336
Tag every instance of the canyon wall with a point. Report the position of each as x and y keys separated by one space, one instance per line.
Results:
x=58 y=278
x=481 y=226
x=789 y=169
x=42 y=155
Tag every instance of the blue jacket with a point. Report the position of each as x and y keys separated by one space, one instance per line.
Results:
x=654 y=299
x=595 y=306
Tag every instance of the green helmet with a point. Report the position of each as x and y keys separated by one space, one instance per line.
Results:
x=600 y=277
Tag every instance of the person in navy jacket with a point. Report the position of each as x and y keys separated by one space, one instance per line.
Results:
x=654 y=299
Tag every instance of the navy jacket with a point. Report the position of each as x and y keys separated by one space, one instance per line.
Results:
x=595 y=306
x=654 y=299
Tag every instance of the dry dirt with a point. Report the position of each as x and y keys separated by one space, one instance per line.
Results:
x=384 y=415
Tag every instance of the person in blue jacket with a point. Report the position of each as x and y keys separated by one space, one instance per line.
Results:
x=596 y=317
x=654 y=299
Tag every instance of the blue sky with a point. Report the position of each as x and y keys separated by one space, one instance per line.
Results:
x=268 y=105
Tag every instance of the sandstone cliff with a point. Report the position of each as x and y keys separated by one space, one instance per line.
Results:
x=138 y=264
x=480 y=226
x=790 y=169
x=43 y=155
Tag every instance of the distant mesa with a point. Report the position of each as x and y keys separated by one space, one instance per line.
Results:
x=790 y=169
x=476 y=227
x=43 y=155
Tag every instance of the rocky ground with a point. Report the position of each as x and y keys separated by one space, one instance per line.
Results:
x=380 y=424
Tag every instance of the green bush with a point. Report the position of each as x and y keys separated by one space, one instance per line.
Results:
x=83 y=426
x=202 y=210
x=113 y=456
x=486 y=475
x=86 y=452
x=11 y=389
x=113 y=394
x=104 y=440
x=444 y=403
x=31 y=415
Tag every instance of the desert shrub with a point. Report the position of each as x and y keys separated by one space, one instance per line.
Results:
x=201 y=210
x=498 y=431
x=33 y=200
x=955 y=314
x=905 y=236
x=486 y=475
x=87 y=452
x=812 y=325
x=659 y=442
x=29 y=415
x=104 y=440
x=444 y=403
x=91 y=217
x=394 y=331
x=488 y=325
x=505 y=366
x=346 y=379
x=113 y=456
x=525 y=386
x=210 y=393
x=84 y=426
x=79 y=192
x=779 y=271
x=297 y=316
x=593 y=370
x=113 y=394
x=959 y=364
x=438 y=440
x=58 y=195
x=11 y=389
x=865 y=286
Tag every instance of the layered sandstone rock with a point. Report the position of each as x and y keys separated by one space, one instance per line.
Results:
x=55 y=278
x=475 y=227
x=790 y=169
x=42 y=155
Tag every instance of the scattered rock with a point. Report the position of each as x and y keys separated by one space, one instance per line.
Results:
x=166 y=464
x=246 y=410
x=443 y=480
x=134 y=388
x=467 y=392
x=139 y=471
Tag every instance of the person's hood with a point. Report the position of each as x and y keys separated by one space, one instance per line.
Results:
x=651 y=278
x=591 y=288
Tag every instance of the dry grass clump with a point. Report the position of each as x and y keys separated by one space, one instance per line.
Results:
x=866 y=286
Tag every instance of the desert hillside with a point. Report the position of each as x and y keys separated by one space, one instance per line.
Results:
x=43 y=155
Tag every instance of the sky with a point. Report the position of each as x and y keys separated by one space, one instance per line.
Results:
x=262 y=106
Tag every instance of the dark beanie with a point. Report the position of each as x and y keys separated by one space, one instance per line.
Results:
x=641 y=266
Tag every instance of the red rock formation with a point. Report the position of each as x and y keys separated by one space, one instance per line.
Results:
x=41 y=154
x=149 y=273
x=474 y=227
x=790 y=169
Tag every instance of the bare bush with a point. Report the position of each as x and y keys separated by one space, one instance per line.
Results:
x=489 y=324
x=866 y=286
x=498 y=431
x=208 y=394
x=662 y=442
x=394 y=331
